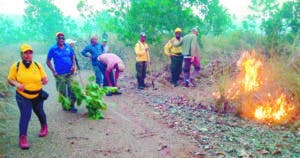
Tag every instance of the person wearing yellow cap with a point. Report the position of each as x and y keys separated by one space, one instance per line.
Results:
x=175 y=54
x=142 y=57
x=191 y=53
x=110 y=62
x=29 y=77
x=63 y=58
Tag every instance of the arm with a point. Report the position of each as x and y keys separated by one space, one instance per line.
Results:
x=86 y=52
x=49 y=64
x=167 y=48
x=116 y=77
x=73 y=64
x=11 y=79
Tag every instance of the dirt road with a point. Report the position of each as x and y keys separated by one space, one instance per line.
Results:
x=131 y=128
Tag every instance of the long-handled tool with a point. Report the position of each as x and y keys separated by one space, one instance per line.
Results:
x=150 y=71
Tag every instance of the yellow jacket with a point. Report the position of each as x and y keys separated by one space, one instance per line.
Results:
x=140 y=51
x=172 y=50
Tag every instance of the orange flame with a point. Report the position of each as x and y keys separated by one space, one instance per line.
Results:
x=274 y=111
x=251 y=83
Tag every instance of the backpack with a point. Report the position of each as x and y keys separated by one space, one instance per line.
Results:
x=18 y=64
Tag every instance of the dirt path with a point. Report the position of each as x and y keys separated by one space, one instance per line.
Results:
x=165 y=123
x=131 y=129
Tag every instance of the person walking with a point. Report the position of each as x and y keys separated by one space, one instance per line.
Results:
x=141 y=49
x=175 y=54
x=92 y=51
x=191 y=53
x=28 y=77
x=64 y=67
x=110 y=63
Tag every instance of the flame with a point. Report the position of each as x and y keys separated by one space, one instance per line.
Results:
x=276 y=111
x=258 y=97
x=249 y=66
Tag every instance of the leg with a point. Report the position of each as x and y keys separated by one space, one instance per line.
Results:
x=144 y=71
x=196 y=65
x=25 y=107
x=139 y=75
x=38 y=108
x=98 y=74
x=186 y=68
x=71 y=95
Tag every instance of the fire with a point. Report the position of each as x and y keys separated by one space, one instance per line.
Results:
x=259 y=98
x=249 y=66
x=274 y=111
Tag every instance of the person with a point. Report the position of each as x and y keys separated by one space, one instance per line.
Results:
x=111 y=62
x=72 y=44
x=175 y=54
x=64 y=67
x=28 y=77
x=105 y=47
x=191 y=53
x=142 y=57
x=92 y=51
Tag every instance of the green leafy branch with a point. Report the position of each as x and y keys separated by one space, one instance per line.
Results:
x=92 y=97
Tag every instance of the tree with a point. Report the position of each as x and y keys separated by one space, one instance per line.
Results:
x=42 y=19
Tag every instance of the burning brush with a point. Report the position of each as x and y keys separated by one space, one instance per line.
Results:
x=257 y=92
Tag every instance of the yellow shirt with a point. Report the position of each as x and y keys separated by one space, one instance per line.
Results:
x=140 y=50
x=30 y=77
x=172 y=50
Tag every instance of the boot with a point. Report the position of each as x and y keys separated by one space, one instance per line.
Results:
x=43 y=131
x=23 y=143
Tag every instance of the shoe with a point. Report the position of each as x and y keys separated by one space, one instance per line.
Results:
x=23 y=143
x=185 y=83
x=73 y=109
x=108 y=94
x=117 y=93
x=43 y=131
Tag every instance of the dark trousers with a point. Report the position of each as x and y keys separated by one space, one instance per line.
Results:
x=25 y=106
x=176 y=68
x=141 y=68
x=111 y=75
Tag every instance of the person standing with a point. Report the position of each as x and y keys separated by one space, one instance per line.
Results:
x=142 y=54
x=64 y=67
x=175 y=54
x=191 y=53
x=72 y=44
x=92 y=51
x=28 y=77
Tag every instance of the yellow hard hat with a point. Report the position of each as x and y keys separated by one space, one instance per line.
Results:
x=25 y=47
x=178 y=30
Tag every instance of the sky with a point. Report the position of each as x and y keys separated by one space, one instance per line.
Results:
x=236 y=7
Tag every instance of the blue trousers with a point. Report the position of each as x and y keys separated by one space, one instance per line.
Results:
x=25 y=107
x=98 y=74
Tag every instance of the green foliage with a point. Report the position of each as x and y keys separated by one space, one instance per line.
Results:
x=92 y=97
x=42 y=19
